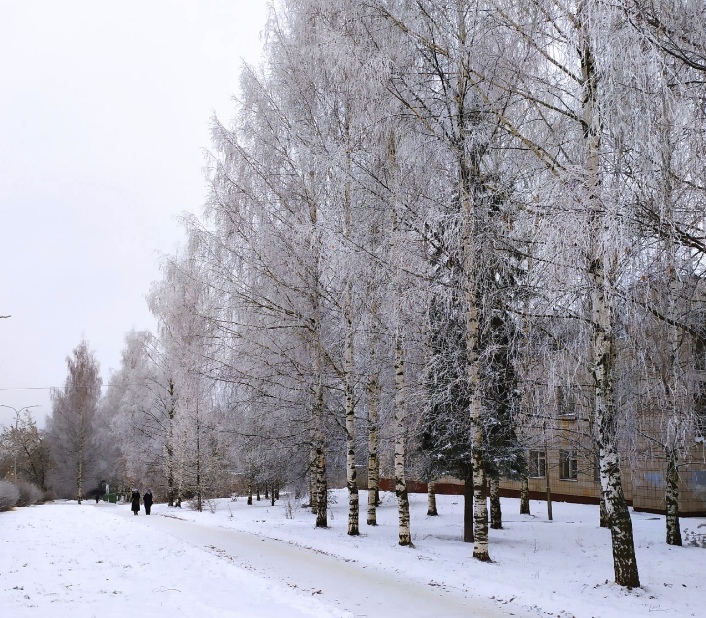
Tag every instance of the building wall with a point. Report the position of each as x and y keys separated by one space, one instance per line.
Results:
x=650 y=488
x=643 y=486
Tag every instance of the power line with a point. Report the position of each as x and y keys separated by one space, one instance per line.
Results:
x=45 y=388
x=29 y=388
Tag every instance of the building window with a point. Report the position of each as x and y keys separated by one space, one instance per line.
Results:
x=565 y=402
x=569 y=467
x=597 y=468
x=537 y=464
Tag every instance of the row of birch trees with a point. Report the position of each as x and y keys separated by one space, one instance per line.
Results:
x=420 y=208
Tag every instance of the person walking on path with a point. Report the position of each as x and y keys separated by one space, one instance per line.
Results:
x=135 y=501
x=147 y=499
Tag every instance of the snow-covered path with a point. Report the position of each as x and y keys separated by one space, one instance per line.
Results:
x=346 y=584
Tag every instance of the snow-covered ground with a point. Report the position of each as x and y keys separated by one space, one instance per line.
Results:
x=68 y=560
x=64 y=560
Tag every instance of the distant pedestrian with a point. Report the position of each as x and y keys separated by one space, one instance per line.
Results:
x=147 y=499
x=135 y=501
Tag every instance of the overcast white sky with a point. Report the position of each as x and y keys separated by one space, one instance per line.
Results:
x=104 y=114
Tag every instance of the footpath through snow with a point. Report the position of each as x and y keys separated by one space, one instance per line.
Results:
x=102 y=561
x=65 y=560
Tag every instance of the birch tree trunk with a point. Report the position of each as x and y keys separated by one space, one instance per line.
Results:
x=312 y=477
x=431 y=499
x=524 y=496
x=550 y=515
x=672 y=422
x=352 y=482
x=80 y=453
x=672 y=499
x=199 y=490
x=468 y=182
x=603 y=513
x=480 y=501
x=348 y=362
x=468 y=508
x=319 y=497
x=169 y=448
x=496 y=517
x=373 y=441
x=672 y=477
x=321 y=484
x=405 y=535
x=601 y=275
x=480 y=510
x=79 y=477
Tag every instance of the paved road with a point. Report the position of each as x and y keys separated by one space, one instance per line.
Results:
x=348 y=585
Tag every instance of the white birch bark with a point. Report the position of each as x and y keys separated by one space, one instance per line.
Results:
x=524 y=496
x=468 y=171
x=468 y=521
x=169 y=447
x=312 y=476
x=320 y=496
x=480 y=502
x=672 y=421
x=672 y=499
x=321 y=499
x=400 y=432
x=348 y=361
x=352 y=482
x=405 y=534
x=319 y=448
x=79 y=473
x=602 y=279
x=373 y=440
x=431 y=499
x=496 y=518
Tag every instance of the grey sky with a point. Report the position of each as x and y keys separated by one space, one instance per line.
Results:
x=104 y=115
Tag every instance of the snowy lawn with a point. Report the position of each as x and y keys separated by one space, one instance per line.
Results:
x=559 y=568
x=66 y=560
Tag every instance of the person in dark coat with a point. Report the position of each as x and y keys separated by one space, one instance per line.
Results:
x=135 y=501
x=147 y=499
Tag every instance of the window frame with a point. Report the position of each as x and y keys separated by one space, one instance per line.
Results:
x=538 y=463
x=568 y=465
x=566 y=402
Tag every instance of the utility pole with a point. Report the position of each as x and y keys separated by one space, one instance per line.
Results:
x=17 y=420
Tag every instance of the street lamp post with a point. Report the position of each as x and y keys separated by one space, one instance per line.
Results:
x=17 y=420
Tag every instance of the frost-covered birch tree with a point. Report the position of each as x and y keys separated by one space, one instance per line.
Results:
x=72 y=430
x=576 y=51
x=447 y=89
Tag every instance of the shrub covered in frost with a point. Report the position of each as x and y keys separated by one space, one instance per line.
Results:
x=9 y=494
x=29 y=494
